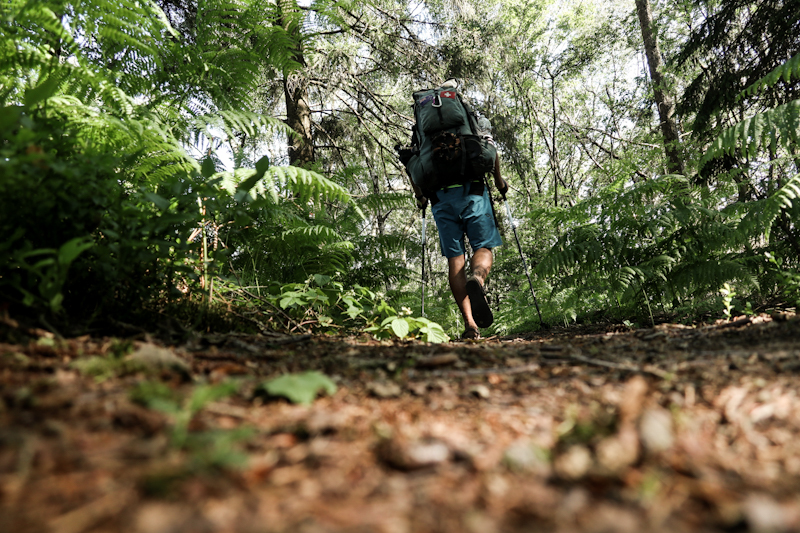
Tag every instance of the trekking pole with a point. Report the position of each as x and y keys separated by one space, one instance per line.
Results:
x=424 y=221
x=513 y=225
x=491 y=200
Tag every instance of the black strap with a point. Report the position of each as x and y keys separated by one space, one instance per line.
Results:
x=477 y=188
x=463 y=155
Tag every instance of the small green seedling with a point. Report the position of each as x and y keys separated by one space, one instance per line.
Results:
x=728 y=294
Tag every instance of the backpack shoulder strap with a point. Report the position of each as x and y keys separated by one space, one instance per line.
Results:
x=471 y=116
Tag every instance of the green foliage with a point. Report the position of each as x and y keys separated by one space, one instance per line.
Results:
x=288 y=237
x=322 y=301
x=45 y=268
x=269 y=183
x=768 y=131
x=73 y=230
x=207 y=449
x=728 y=293
x=300 y=388
x=787 y=279
x=786 y=72
x=645 y=249
x=655 y=244
x=739 y=46
x=403 y=326
x=100 y=203
x=774 y=128
x=113 y=365
x=410 y=328
x=324 y=304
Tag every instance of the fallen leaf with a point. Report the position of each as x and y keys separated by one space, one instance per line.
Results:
x=403 y=454
x=574 y=463
x=300 y=388
x=386 y=389
x=655 y=429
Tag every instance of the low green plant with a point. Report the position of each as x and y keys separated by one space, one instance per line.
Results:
x=46 y=269
x=788 y=280
x=114 y=364
x=103 y=212
x=207 y=449
x=323 y=303
x=586 y=425
x=728 y=293
x=300 y=388
x=75 y=237
x=388 y=323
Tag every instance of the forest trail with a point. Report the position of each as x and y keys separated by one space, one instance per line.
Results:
x=671 y=428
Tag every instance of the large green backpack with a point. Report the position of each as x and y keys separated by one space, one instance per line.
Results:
x=446 y=146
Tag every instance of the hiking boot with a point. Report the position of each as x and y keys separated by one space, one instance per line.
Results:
x=470 y=334
x=481 y=311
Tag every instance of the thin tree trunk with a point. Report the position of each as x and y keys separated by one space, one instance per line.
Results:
x=666 y=106
x=295 y=90
x=298 y=117
x=554 y=160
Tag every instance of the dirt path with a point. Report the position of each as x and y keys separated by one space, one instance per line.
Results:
x=664 y=429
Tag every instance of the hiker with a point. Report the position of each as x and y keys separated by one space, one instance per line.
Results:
x=451 y=152
x=464 y=210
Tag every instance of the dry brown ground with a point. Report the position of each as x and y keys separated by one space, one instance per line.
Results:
x=665 y=429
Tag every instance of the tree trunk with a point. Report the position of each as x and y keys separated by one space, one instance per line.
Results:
x=295 y=90
x=298 y=117
x=666 y=107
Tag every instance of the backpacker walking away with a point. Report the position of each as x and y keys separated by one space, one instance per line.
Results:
x=451 y=152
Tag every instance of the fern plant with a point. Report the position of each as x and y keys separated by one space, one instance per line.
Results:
x=767 y=132
x=644 y=252
x=98 y=103
x=656 y=244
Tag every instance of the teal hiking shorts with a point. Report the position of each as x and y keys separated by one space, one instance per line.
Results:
x=458 y=213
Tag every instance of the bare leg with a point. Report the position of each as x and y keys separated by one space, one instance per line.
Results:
x=458 y=286
x=481 y=265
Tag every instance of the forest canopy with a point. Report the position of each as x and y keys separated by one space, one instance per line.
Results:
x=172 y=158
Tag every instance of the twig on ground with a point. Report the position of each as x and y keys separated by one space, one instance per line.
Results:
x=647 y=369
x=278 y=309
x=532 y=367
x=91 y=514
x=290 y=339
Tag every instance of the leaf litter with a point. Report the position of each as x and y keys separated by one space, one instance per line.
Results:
x=671 y=428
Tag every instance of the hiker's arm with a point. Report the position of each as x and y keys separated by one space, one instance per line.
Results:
x=422 y=202
x=499 y=182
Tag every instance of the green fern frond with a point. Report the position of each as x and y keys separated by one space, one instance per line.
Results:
x=622 y=278
x=303 y=183
x=306 y=183
x=768 y=130
x=787 y=71
x=232 y=123
x=310 y=233
x=700 y=277
x=761 y=215
x=386 y=245
x=573 y=249
x=384 y=201
x=659 y=266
